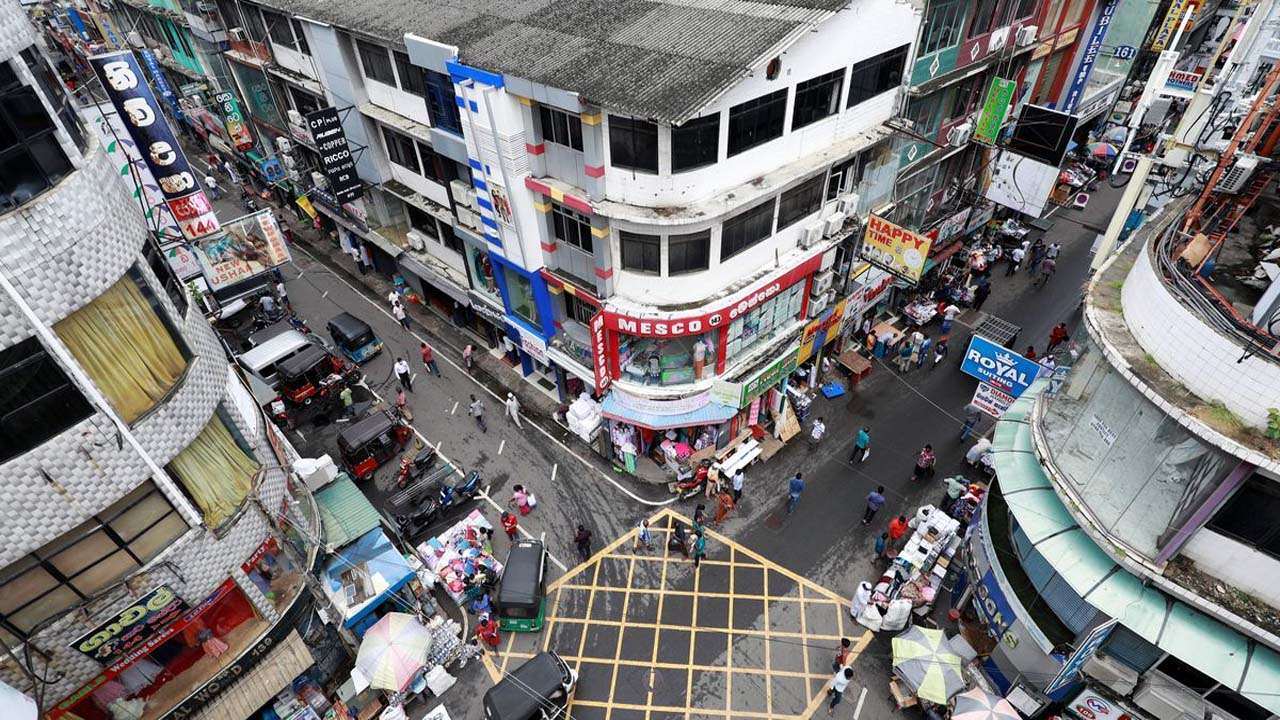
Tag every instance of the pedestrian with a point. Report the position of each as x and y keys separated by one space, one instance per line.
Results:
x=739 y=477
x=1036 y=253
x=283 y=294
x=678 y=540
x=393 y=297
x=1030 y=354
x=924 y=351
x=467 y=362
x=699 y=548
x=429 y=359
x=513 y=409
x=861 y=446
x=939 y=352
x=956 y=486
x=1051 y=252
x=644 y=537
x=924 y=463
x=470 y=651
x=402 y=317
x=971 y=417
x=366 y=257
x=816 y=432
x=875 y=501
x=347 y=399
x=402 y=405
x=904 y=356
x=794 y=488
x=582 y=539
x=842 y=654
x=510 y=525
x=521 y=498
x=487 y=633
x=476 y=410
x=404 y=374
x=980 y=296
x=1057 y=336
x=882 y=544
x=211 y=182
x=267 y=302
x=917 y=349
x=724 y=503
x=1047 y=269
x=949 y=314
x=838 y=685
x=897 y=529
x=354 y=252
x=699 y=517
x=1015 y=261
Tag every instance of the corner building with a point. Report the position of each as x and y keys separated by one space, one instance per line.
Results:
x=137 y=470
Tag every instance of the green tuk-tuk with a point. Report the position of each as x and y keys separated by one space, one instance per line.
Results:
x=521 y=604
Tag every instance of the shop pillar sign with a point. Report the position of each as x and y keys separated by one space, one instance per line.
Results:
x=132 y=626
x=335 y=156
x=991 y=400
x=994 y=110
x=600 y=353
x=1004 y=369
x=160 y=81
x=820 y=330
x=1089 y=56
x=237 y=130
x=123 y=82
x=1088 y=646
x=994 y=609
x=770 y=376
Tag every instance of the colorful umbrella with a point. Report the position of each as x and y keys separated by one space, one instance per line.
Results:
x=393 y=650
x=1103 y=150
x=925 y=662
x=978 y=704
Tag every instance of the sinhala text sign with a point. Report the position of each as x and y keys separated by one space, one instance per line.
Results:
x=1001 y=368
x=991 y=400
x=251 y=245
x=895 y=248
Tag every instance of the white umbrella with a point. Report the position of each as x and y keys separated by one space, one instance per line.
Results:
x=393 y=651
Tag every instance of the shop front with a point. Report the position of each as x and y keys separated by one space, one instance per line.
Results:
x=529 y=315
x=367 y=579
x=666 y=432
x=570 y=348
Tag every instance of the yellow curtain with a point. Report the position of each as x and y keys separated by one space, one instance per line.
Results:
x=216 y=473
x=125 y=348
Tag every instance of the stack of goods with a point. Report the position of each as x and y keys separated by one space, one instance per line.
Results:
x=584 y=417
x=446 y=641
x=462 y=558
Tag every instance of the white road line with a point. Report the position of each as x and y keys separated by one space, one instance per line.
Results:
x=482 y=386
x=523 y=531
x=857 y=710
x=554 y=468
x=501 y=445
x=455 y=408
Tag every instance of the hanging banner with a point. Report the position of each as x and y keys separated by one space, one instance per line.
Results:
x=132 y=626
x=237 y=130
x=304 y=202
x=994 y=110
x=895 y=248
x=123 y=82
x=1172 y=18
x=160 y=81
x=1085 y=649
x=184 y=262
x=121 y=148
x=1089 y=56
x=991 y=400
x=335 y=156
x=251 y=245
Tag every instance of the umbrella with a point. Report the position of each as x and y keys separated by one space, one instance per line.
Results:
x=978 y=704
x=1103 y=150
x=393 y=650
x=1116 y=134
x=924 y=661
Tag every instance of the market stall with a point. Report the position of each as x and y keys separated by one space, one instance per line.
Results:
x=367 y=579
x=461 y=559
x=914 y=578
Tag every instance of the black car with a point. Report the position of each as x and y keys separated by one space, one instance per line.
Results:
x=537 y=690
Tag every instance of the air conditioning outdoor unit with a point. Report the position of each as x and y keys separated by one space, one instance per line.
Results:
x=833 y=224
x=1115 y=675
x=817 y=305
x=1166 y=700
x=295 y=176
x=960 y=134
x=1027 y=35
x=812 y=234
x=236 y=35
x=471 y=200
x=822 y=282
x=848 y=204
x=467 y=217
x=1237 y=178
x=415 y=241
x=283 y=145
x=459 y=190
x=295 y=117
x=288 y=161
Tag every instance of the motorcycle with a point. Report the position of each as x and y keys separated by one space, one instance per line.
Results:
x=414 y=468
x=689 y=485
x=456 y=495
x=416 y=521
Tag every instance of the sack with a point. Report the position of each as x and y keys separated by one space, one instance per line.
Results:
x=533 y=501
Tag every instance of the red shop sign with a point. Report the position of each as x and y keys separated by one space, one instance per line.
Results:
x=600 y=353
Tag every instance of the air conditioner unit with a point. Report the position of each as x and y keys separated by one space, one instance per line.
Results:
x=319 y=180
x=822 y=282
x=848 y=204
x=833 y=224
x=1163 y=699
x=295 y=117
x=288 y=162
x=283 y=145
x=960 y=134
x=467 y=217
x=1027 y=35
x=415 y=241
x=818 y=304
x=999 y=39
x=828 y=260
x=459 y=190
x=236 y=35
x=295 y=176
x=1237 y=178
x=812 y=234
x=1111 y=673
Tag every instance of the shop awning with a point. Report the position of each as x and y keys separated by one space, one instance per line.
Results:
x=437 y=279
x=272 y=674
x=345 y=513
x=1195 y=638
x=383 y=243
x=360 y=576
x=712 y=413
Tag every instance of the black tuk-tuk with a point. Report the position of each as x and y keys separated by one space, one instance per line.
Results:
x=522 y=597
x=537 y=690
x=354 y=338
x=371 y=441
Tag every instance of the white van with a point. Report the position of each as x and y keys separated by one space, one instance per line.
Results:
x=263 y=359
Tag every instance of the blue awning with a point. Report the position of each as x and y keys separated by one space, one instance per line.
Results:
x=373 y=560
x=712 y=413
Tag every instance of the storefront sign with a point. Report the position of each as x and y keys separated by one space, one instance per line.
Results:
x=337 y=211
x=665 y=406
x=131 y=626
x=483 y=306
x=1124 y=52
x=755 y=385
x=698 y=323
x=821 y=330
x=994 y=110
x=114 y=136
x=1070 y=670
x=980 y=217
x=991 y=400
x=271 y=170
x=184 y=262
x=535 y=346
x=251 y=245
x=727 y=393
x=1181 y=83
x=874 y=283
x=304 y=202
x=335 y=156
x=160 y=82
x=895 y=248
x=1089 y=56
x=994 y=609
x=1172 y=18
x=1005 y=369
x=237 y=130
x=1089 y=705
x=123 y=82
x=600 y=353
x=953 y=225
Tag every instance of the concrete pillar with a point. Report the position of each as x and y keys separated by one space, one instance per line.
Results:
x=534 y=144
x=546 y=231
x=603 y=255
x=593 y=152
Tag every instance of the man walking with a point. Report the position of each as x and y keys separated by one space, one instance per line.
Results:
x=1015 y=261
x=1058 y=335
x=794 y=488
x=404 y=374
x=904 y=356
x=429 y=360
x=212 y=183
x=1047 y=269
x=739 y=478
x=816 y=432
x=513 y=409
x=476 y=410
x=875 y=501
x=971 y=417
x=838 y=685
x=397 y=311
x=861 y=446
x=583 y=540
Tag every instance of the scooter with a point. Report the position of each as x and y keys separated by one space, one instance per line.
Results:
x=453 y=495
x=416 y=521
x=695 y=484
x=413 y=468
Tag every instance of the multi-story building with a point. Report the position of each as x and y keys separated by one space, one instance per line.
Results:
x=142 y=568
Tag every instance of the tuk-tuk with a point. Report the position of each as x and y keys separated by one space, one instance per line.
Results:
x=314 y=372
x=537 y=690
x=371 y=441
x=354 y=338
x=522 y=598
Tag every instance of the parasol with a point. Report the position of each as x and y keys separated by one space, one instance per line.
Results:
x=925 y=662
x=392 y=651
x=978 y=704
x=1103 y=150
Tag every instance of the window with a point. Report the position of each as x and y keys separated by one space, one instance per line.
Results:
x=942 y=27
x=800 y=201
x=633 y=144
x=520 y=293
x=278 y=28
x=1248 y=516
x=401 y=150
x=746 y=229
x=411 y=78
x=695 y=144
x=560 y=127
x=433 y=165
x=668 y=360
x=442 y=105
x=304 y=102
x=37 y=400
x=876 y=75
x=983 y=16
x=253 y=23
x=688 y=253
x=56 y=93
x=758 y=121
x=842 y=178
x=299 y=37
x=173 y=286
x=764 y=322
x=641 y=253
x=376 y=63
x=572 y=227
x=817 y=98
x=32 y=159
x=579 y=310
x=422 y=221
x=215 y=471
x=87 y=559
x=451 y=239
x=1025 y=9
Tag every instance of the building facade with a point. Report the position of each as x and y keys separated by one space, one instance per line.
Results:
x=142 y=558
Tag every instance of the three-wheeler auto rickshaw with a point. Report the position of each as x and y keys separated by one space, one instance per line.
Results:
x=354 y=338
x=367 y=443
x=539 y=689
x=522 y=597
x=310 y=383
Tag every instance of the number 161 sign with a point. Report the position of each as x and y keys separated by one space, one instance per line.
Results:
x=126 y=88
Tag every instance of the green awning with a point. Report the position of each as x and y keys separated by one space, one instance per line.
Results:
x=345 y=513
x=1193 y=637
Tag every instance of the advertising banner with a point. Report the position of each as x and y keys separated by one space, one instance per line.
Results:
x=121 y=148
x=1089 y=56
x=1090 y=705
x=993 y=607
x=1002 y=368
x=1169 y=25
x=769 y=376
x=251 y=245
x=994 y=110
x=237 y=129
x=599 y=352
x=131 y=626
x=1181 y=83
x=304 y=202
x=991 y=400
x=123 y=82
x=820 y=330
x=160 y=82
x=1085 y=649
x=895 y=248
x=184 y=262
x=335 y=156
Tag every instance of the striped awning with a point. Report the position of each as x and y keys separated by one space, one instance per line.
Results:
x=712 y=413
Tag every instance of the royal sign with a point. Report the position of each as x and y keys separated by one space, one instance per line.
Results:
x=895 y=248
x=999 y=367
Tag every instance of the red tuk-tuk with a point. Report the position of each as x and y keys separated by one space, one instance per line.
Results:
x=314 y=372
x=371 y=441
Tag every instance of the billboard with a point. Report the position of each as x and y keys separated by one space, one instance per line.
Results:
x=123 y=82
x=237 y=130
x=132 y=626
x=994 y=110
x=895 y=248
x=991 y=400
x=335 y=156
x=1043 y=134
x=121 y=148
x=160 y=81
x=999 y=367
x=1020 y=183
x=250 y=246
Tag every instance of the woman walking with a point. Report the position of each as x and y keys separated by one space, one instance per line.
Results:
x=924 y=463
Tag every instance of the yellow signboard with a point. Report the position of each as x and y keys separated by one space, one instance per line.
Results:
x=895 y=248
x=304 y=202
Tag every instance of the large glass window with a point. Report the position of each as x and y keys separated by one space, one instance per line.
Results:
x=520 y=293
x=688 y=253
x=216 y=472
x=87 y=559
x=37 y=400
x=411 y=78
x=746 y=229
x=278 y=28
x=982 y=17
x=572 y=227
x=668 y=360
x=422 y=221
x=641 y=253
x=633 y=144
x=376 y=62
x=253 y=24
x=31 y=158
x=800 y=201
x=480 y=268
x=765 y=321
x=442 y=104
x=300 y=38
x=695 y=144
x=303 y=101
x=434 y=166
x=757 y=121
x=560 y=127
x=127 y=347
x=56 y=94
x=877 y=75
x=1249 y=516
x=817 y=98
x=401 y=151
x=942 y=26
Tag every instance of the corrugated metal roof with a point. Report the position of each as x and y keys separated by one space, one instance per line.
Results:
x=345 y=513
x=660 y=60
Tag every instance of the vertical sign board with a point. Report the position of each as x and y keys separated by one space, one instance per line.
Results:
x=1086 y=649
x=994 y=609
x=994 y=110
x=1169 y=25
x=1089 y=56
x=160 y=81
x=335 y=155
x=123 y=82
x=991 y=400
x=237 y=130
